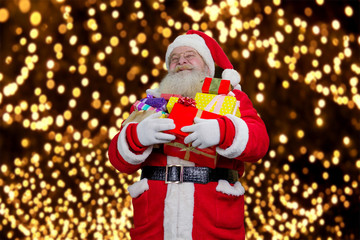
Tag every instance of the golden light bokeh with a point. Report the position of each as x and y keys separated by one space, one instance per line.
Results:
x=70 y=71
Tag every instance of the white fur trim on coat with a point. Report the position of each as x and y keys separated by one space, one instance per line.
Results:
x=138 y=188
x=240 y=140
x=179 y=206
x=238 y=87
x=125 y=151
x=225 y=187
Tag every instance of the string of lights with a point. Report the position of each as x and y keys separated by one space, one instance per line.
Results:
x=70 y=70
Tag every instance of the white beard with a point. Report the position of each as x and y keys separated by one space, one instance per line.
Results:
x=185 y=83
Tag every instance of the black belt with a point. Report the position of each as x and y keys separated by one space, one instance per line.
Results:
x=179 y=174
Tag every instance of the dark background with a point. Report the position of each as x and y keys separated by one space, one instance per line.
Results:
x=55 y=177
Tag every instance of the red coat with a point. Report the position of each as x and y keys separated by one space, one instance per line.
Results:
x=187 y=210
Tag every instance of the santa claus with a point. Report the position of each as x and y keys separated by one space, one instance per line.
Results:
x=175 y=198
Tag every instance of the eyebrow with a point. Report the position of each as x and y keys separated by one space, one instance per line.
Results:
x=193 y=51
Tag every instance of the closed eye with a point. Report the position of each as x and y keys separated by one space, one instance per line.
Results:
x=174 y=59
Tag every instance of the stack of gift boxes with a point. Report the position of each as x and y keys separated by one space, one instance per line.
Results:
x=215 y=100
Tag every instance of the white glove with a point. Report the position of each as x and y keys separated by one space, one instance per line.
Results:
x=154 y=92
x=149 y=130
x=205 y=133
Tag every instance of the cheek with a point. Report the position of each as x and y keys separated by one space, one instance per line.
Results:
x=172 y=67
x=198 y=64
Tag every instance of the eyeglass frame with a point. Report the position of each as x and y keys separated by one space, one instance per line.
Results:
x=178 y=55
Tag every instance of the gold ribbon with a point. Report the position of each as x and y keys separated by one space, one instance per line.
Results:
x=199 y=113
x=189 y=149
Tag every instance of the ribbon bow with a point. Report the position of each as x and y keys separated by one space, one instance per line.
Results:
x=187 y=101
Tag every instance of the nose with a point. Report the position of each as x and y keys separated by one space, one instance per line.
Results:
x=182 y=59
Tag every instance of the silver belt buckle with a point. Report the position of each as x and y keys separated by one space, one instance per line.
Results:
x=181 y=177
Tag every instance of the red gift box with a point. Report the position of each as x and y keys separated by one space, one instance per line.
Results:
x=204 y=157
x=184 y=116
x=216 y=86
x=167 y=96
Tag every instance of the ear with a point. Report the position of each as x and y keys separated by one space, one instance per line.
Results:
x=207 y=70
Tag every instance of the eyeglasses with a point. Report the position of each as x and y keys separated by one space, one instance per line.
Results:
x=188 y=55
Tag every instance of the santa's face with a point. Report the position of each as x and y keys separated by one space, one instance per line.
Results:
x=186 y=59
x=187 y=72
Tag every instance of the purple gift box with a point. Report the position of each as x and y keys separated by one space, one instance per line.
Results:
x=158 y=103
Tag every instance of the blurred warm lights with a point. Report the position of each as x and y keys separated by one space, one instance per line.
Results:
x=349 y=11
x=68 y=82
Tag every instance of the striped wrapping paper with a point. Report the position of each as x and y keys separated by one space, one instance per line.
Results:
x=143 y=106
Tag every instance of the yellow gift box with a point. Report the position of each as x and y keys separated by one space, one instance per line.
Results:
x=219 y=104
x=171 y=102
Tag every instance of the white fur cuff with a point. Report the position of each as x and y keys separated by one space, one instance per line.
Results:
x=240 y=140
x=125 y=151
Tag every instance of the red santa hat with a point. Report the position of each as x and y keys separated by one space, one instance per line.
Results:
x=209 y=50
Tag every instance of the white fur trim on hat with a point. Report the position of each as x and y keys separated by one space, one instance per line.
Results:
x=232 y=75
x=196 y=42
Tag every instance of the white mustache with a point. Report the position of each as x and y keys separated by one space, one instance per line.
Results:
x=183 y=67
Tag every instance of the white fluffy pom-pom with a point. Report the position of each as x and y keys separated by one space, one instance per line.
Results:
x=232 y=75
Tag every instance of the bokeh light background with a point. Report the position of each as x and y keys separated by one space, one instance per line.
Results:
x=70 y=70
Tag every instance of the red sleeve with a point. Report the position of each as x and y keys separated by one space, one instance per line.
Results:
x=227 y=132
x=117 y=160
x=132 y=108
x=133 y=140
x=258 y=142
